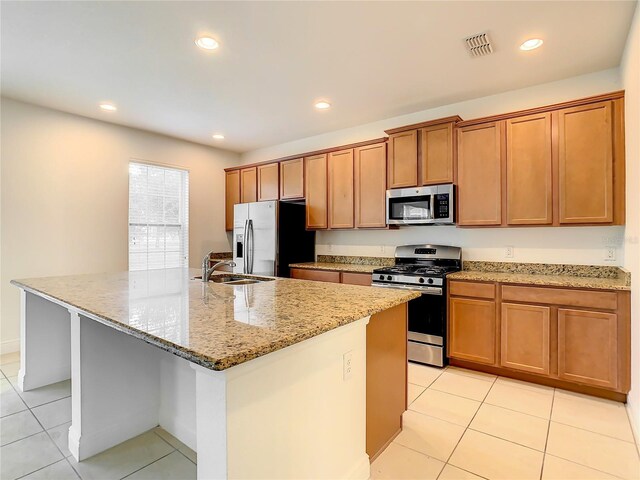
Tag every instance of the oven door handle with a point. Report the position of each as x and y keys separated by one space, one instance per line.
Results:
x=423 y=290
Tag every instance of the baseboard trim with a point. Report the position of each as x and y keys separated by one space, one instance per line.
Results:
x=10 y=346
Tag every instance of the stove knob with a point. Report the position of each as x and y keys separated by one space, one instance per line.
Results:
x=381 y=277
x=389 y=278
x=421 y=280
x=430 y=280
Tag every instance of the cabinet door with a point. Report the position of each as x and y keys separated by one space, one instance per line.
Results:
x=525 y=337
x=472 y=330
x=588 y=347
x=316 y=275
x=356 y=278
x=436 y=156
x=370 y=174
x=480 y=174
x=268 y=185
x=403 y=159
x=585 y=161
x=315 y=180
x=529 y=189
x=231 y=197
x=248 y=185
x=292 y=179
x=340 y=165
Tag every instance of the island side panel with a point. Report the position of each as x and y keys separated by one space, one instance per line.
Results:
x=296 y=413
x=386 y=377
x=115 y=387
x=45 y=339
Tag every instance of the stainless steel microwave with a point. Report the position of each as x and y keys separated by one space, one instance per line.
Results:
x=421 y=205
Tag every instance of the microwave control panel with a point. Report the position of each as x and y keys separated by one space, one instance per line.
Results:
x=441 y=205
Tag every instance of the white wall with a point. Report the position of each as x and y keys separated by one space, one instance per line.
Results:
x=630 y=68
x=64 y=197
x=553 y=245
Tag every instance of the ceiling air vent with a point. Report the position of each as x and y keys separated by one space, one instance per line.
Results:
x=479 y=45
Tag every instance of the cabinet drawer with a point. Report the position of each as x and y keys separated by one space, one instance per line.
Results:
x=561 y=296
x=472 y=289
x=317 y=275
x=356 y=278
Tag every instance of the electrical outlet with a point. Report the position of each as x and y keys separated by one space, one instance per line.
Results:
x=347 y=366
x=508 y=252
x=610 y=254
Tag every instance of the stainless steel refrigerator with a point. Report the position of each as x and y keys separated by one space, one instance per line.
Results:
x=268 y=236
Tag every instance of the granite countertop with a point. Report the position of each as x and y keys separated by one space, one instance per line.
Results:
x=337 y=267
x=554 y=275
x=344 y=263
x=214 y=325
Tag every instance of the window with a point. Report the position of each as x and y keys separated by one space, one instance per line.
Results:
x=158 y=217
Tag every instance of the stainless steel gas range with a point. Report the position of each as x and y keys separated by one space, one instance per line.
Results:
x=423 y=268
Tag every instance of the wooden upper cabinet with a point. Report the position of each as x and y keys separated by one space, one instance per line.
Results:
x=248 y=185
x=525 y=337
x=402 y=162
x=268 y=185
x=292 y=179
x=529 y=164
x=370 y=176
x=472 y=329
x=436 y=154
x=588 y=347
x=585 y=162
x=232 y=197
x=315 y=181
x=340 y=168
x=480 y=174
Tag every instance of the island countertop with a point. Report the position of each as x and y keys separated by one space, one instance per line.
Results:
x=214 y=325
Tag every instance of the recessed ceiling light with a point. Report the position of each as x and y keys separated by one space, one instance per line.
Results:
x=108 y=107
x=218 y=136
x=531 y=44
x=322 y=105
x=207 y=43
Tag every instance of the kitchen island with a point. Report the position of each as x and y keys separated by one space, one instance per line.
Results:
x=265 y=380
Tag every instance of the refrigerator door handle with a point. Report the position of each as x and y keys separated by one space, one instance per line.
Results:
x=245 y=242
x=251 y=251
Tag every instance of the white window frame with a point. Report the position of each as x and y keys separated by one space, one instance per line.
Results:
x=148 y=223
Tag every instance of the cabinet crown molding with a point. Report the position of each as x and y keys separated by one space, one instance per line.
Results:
x=429 y=123
x=546 y=108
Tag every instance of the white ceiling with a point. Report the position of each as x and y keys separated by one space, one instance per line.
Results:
x=372 y=60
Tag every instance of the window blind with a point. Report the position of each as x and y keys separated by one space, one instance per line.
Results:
x=158 y=217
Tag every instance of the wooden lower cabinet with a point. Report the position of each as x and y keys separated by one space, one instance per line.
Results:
x=356 y=278
x=524 y=336
x=317 y=275
x=588 y=347
x=386 y=377
x=472 y=329
x=570 y=338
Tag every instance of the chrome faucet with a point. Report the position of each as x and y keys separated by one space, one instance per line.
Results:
x=207 y=272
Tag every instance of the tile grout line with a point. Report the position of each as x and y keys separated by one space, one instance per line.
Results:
x=585 y=466
x=546 y=441
x=157 y=460
x=38 y=469
x=29 y=409
x=175 y=448
x=470 y=421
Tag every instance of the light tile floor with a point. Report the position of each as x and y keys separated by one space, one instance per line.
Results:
x=34 y=430
x=469 y=425
x=460 y=425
